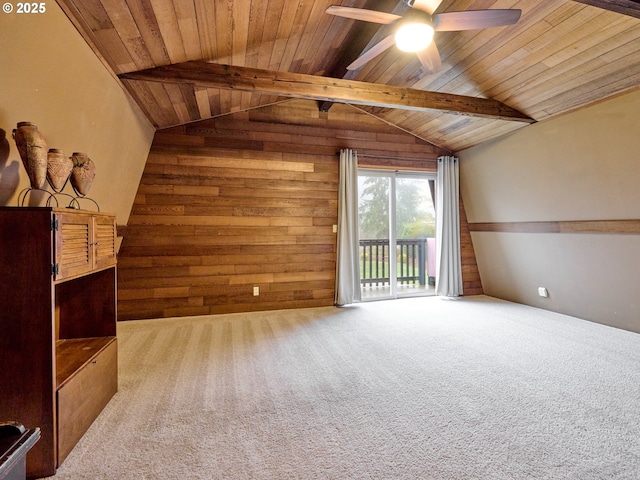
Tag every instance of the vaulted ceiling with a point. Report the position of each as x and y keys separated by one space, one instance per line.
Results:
x=561 y=55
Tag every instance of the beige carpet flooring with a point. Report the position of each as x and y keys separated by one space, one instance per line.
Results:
x=420 y=388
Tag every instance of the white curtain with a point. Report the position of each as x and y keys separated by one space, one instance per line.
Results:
x=448 y=264
x=348 y=261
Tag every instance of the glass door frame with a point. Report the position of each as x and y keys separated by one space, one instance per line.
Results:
x=392 y=175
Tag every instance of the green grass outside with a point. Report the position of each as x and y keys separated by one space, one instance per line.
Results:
x=367 y=270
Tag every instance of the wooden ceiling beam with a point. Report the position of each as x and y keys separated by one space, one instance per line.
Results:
x=365 y=35
x=296 y=85
x=625 y=7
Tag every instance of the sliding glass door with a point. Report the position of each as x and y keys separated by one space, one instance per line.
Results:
x=397 y=234
x=375 y=217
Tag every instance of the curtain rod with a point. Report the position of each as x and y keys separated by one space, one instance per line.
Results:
x=366 y=155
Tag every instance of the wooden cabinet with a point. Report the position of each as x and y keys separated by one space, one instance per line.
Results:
x=83 y=242
x=58 y=347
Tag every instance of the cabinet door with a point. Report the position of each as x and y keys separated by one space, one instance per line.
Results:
x=73 y=244
x=83 y=242
x=105 y=241
x=84 y=396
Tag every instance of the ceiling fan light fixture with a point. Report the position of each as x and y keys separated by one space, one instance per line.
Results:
x=414 y=36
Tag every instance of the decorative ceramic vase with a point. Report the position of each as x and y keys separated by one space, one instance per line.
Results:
x=33 y=152
x=83 y=173
x=58 y=169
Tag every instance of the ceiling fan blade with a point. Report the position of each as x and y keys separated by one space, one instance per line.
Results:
x=474 y=19
x=429 y=6
x=384 y=44
x=362 y=14
x=430 y=58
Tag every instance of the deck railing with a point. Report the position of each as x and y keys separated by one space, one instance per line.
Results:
x=411 y=261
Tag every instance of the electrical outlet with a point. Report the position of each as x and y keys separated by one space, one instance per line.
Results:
x=335 y=229
x=256 y=291
x=543 y=292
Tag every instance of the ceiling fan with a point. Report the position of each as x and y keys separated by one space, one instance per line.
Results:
x=417 y=26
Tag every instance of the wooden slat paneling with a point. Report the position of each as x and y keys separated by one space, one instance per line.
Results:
x=559 y=56
x=249 y=200
x=471 y=283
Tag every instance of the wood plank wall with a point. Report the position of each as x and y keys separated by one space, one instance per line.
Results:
x=246 y=200
x=471 y=283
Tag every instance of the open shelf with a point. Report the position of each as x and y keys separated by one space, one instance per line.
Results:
x=73 y=354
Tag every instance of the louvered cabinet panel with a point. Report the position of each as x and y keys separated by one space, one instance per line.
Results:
x=73 y=244
x=105 y=241
x=83 y=242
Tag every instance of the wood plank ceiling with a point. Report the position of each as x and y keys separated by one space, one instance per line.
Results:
x=560 y=56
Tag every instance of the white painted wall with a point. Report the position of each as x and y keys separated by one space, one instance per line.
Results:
x=581 y=166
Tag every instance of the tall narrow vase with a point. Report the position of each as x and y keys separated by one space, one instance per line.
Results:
x=33 y=152
x=83 y=173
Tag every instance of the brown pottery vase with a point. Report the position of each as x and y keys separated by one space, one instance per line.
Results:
x=33 y=152
x=83 y=173
x=58 y=169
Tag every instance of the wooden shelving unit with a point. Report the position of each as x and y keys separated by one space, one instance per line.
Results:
x=58 y=346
